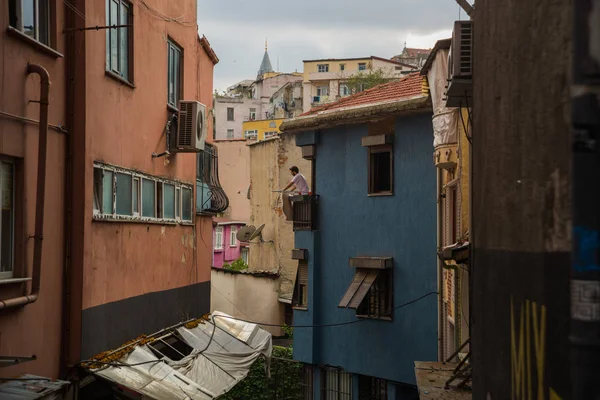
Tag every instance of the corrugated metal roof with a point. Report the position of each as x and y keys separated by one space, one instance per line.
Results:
x=32 y=387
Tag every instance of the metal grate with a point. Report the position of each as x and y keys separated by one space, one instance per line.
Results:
x=305 y=212
x=186 y=119
x=214 y=200
x=336 y=384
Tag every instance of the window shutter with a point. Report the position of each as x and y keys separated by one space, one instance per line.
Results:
x=359 y=277
x=303 y=273
x=363 y=289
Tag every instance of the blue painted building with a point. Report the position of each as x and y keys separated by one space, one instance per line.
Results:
x=366 y=244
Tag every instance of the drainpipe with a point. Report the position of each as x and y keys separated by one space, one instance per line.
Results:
x=440 y=268
x=41 y=191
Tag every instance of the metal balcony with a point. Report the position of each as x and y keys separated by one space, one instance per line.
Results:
x=305 y=211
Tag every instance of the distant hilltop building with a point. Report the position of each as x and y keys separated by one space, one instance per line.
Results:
x=413 y=56
x=248 y=108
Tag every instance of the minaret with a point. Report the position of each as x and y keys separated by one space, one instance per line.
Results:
x=265 y=65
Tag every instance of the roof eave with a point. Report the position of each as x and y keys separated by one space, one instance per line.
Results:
x=357 y=115
x=439 y=45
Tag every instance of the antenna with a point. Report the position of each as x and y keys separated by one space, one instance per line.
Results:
x=266 y=44
x=257 y=233
x=245 y=233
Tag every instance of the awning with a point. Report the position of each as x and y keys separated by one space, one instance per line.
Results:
x=201 y=359
x=362 y=282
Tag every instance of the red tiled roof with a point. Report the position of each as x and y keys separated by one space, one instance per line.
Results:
x=410 y=86
x=411 y=52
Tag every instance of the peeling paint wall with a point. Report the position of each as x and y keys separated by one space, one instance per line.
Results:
x=269 y=170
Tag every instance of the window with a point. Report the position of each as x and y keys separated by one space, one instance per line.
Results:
x=252 y=114
x=210 y=196
x=451 y=214
x=171 y=347
x=232 y=236
x=371 y=388
x=131 y=195
x=229 y=133
x=370 y=293
x=175 y=67
x=219 y=238
x=323 y=67
x=230 y=114
x=362 y=66
x=381 y=176
x=336 y=384
x=300 y=297
x=7 y=217
x=270 y=134
x=342 y=67
x=118 y=40
x=322 y=90
x=244 y=255
x=344 y=90
x=306 y=381
x=251 y=134
x=32 y=17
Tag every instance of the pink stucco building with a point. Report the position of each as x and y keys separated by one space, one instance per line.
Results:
x=226 y=247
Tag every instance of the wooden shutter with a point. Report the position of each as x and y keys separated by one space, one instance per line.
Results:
x=363 y=289
x=359 y=277
x=303 y=274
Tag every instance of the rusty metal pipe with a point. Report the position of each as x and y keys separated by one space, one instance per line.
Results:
x=40 y=194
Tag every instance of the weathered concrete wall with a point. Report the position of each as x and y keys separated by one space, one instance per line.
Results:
x=234 y=174
x=270 y=161
x=522 y=207
x=247 y=296
x=35 y=328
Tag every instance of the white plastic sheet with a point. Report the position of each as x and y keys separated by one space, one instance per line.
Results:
x=223 y=353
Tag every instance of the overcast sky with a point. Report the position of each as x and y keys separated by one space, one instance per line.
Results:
x=312 y=29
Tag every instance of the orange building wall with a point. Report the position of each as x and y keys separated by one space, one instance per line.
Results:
x=34 y=329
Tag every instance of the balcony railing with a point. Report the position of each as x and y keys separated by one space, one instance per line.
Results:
x=305 y=211
x=210 y=196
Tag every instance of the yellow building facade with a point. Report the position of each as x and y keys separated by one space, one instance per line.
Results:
x=261 y=129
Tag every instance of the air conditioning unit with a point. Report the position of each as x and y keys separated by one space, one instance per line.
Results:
x=191 y=127
x=460 y=65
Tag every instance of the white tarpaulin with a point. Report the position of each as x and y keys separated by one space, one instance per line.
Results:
x=223 y=352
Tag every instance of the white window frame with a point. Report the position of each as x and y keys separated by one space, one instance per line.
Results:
x=252 y=113
x=322 y=91
x=233 y=230
x=138 y=216
x=9 y=274
x=251 y=134
x=344 y=90
x=219 y=238
x=323 y=67
x=175 y=73
x=245 y=254
x=36 y=16
x=362 y=66
x=232 y=131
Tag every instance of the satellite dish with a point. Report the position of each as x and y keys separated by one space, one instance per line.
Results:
x=245 y=233
x=257 y=232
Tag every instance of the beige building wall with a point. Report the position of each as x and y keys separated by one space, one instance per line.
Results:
x=234 y=175
x=270 y=161
x=247 y=296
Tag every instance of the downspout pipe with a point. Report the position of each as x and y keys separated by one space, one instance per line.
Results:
x=40 y=195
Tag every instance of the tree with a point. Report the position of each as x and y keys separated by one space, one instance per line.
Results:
x=364 y=80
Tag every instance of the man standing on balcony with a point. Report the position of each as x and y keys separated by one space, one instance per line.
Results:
x=300 y=186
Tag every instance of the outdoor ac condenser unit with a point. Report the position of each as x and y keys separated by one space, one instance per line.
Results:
x=191 y=127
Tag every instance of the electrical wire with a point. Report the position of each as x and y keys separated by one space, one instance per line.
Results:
x=74 y=9
x=325 y=325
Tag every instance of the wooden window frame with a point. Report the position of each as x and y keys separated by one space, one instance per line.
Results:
x=300 y=296
x=388 y=148
x=232 y=114
x=384 y=278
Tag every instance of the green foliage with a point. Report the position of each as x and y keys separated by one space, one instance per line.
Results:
x=366 y=80
x=237 y=265
x=226 y=265
x=285 y=382
x=288 y=330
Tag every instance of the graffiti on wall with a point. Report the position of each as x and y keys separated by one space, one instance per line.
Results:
x=528 y=352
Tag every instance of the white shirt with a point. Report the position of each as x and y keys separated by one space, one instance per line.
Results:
x=300 y=182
